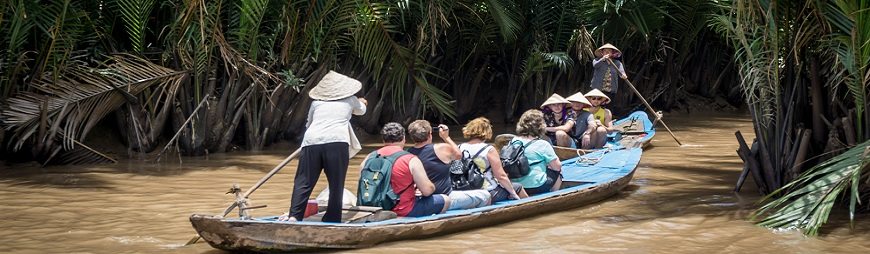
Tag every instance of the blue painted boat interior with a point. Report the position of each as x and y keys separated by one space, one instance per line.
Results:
x=588 y=170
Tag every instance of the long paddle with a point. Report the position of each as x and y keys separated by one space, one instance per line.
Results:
x=256 y=186
x=646 y=103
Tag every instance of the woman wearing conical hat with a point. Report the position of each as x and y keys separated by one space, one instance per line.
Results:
x=328 y=144
x=585 y=128
x=603 y=117
x=604 y=76
x=559 y=119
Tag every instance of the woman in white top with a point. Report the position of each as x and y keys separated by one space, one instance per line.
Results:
x=498 y=184
x=329 y=143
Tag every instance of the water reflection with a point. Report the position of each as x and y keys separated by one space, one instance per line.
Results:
x=679 y=201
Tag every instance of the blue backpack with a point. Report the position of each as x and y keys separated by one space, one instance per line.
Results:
x=374 y=181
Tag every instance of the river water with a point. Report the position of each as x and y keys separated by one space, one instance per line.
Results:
x=680 y=201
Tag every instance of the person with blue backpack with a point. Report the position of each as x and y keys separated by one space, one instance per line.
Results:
x=394 y=179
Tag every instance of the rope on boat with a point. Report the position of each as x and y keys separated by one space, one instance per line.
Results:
x=588 y=161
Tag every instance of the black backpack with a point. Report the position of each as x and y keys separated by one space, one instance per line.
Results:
x=513 y=158
x=465 y=174
x=374 y=187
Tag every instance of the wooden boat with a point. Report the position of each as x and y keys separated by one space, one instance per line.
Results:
x=586 y=179
x=636 y=130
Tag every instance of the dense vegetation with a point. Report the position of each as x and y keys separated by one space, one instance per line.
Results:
x=205 y=76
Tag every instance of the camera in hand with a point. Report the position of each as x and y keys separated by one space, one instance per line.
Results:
x=436 y=129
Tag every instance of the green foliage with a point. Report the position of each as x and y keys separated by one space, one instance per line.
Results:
x=135 y=15
x=810 y=198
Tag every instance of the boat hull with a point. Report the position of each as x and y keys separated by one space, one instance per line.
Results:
x=267 y=235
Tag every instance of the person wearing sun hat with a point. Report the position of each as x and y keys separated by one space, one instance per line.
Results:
x=328 y=143
x=604 y=76
x=585 y=129
x=559 y=119
x=603 y=117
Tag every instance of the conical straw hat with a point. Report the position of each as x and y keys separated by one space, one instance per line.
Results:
x=579 y=97
x=555 y=99
x=598 y=93
x=608 y=46
x=334 y=86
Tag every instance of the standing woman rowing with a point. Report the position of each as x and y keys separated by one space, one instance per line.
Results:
x=329 y=143
x=605 y=77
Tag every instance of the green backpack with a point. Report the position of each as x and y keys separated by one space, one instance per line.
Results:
x=374 y=181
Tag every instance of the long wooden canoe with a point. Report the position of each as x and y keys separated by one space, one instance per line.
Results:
x=588 y=179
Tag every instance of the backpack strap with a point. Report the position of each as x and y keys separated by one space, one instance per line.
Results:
x=488 y=168
x=530 y=142
x=395 y=157
x=480 y=151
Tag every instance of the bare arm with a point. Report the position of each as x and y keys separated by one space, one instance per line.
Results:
x=452 y=149
x=565 y=127
x=555 y=165
x=425 y=186
x=608 y=120
x=499 y=174
x=590 y=125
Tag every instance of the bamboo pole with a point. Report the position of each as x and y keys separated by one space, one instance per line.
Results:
x=255 y=187
x=658 y=117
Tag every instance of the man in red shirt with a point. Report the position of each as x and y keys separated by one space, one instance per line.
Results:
x=409 y=178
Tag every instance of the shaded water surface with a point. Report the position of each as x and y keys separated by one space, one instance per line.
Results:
x=679 y=201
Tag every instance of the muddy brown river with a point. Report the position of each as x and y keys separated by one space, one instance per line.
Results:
x=680 y=201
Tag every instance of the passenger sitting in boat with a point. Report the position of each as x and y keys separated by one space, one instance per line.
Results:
x=436 y=159
x=477 y=131
x=585 y=129
x=603 y=117
x=559 y=119
x=545 y=169
x=408 y=171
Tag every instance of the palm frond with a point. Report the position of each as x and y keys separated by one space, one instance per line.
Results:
x=80 y=98
x=505 y=14
x=811 y=197
x=135 y=14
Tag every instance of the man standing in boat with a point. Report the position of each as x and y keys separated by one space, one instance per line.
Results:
x=329 y=143
x=607 y=69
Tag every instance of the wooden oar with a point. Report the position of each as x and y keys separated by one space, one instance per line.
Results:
x=646 y=103
x=256 y=186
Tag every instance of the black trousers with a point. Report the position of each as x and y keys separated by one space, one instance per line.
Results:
x=330 y=156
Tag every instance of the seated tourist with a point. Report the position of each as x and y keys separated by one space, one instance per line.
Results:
x=409 y=178
x=436 y=159
x=603 y=117
x=544 y=166
x=477 y=131
x=559 y=119
x=585 y=128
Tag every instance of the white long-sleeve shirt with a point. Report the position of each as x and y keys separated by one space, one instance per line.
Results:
x=329 y=121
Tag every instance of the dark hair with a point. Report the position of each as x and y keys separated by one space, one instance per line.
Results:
x=393 y=132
